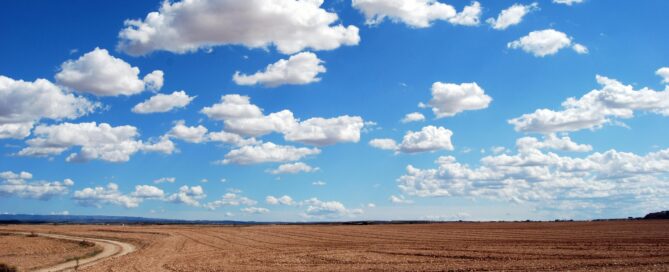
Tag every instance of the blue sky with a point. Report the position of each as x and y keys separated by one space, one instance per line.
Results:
x=556 y=109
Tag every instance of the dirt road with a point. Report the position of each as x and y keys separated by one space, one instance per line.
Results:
x=110 y=248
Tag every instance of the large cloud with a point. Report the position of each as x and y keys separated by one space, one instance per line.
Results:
x=22 y=104
x=189 y=25
x=429 y=138
x=97 y=141
x=546 y=42
x=299 y=69
x=242 y=117
x=100 y=196
x=416 y=13
x=547 y=179
x=190 y=196
x=284 y=200
x=511 y=16
x=267 y=152
x=449 y=99
x=595 y=109
x=163 y=102
x=19 y=185
x=101 y=74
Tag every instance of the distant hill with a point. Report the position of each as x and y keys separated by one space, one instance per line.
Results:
x=657 y=215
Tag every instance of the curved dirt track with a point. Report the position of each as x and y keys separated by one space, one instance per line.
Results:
x=110 y=248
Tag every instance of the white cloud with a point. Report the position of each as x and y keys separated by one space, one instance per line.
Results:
x=300 y=69
x=148 y=191
x=231 y=199
x=595 y=109
x=104 y=142
x=664 y=73
x=399 y=199
x=267 y=152
x=416 y=13
x=321 y=131
x=186 y=26
x=242 y=117
x=551 y=141
x=512 y=16
x=413 y=117
x=319 y=183
x=321 y=209
x=25 y=103
x=254 y=210
x=163 y=102
x=99 y=196
x=19 y=185
x=101 y=74
x=293 y=168
x=165 y=179
x=567 y=2
x=189 y=134
x=546 y=42
x=384 y=144
x=284 y=200
x=581 y=49
x=429 y=138
x=230 y=138
x=547 y=179
x=190 y=196
x=449 y=99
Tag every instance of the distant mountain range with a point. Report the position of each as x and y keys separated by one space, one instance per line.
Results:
x=102 y=219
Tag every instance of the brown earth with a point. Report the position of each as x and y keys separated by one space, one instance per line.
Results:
x=28 y=252
x=573 y=246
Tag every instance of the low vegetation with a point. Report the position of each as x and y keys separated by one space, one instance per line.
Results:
x=7 y=268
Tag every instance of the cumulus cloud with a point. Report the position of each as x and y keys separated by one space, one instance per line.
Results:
x=546 y=42
x=293 y=168
x=300 y=69
x=242 y=117
x=230 y=138
x=429 y=138
x=165 y=179
x=103 y=142
x=384 y=144
x=551 y=141
x=547 y=179
x=567 y=2
x=449 y=99
x=187 y=26
x=163 y=103
x=413 y=117
x=148 y=191
x=664 y=73
x=399 y=199
x=416 y=13
x=19 y=185
x=190 y=196
x=284 y=200
x=254 y=210
x=101 y=74
x=99 y=196
x=231 y=199
x=595 y=109
x=189 y=134
x=24 y=103
x=327 y=209
x=512 y=16
x=267 y=152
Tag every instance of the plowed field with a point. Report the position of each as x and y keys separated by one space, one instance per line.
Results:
x=573 y=246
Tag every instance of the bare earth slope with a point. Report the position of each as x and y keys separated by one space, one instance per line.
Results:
x=573 y=246
x=27 y=253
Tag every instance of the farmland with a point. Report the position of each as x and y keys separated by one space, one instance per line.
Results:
x=524 y=246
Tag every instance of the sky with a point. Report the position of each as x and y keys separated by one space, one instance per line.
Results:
x=311 y=110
